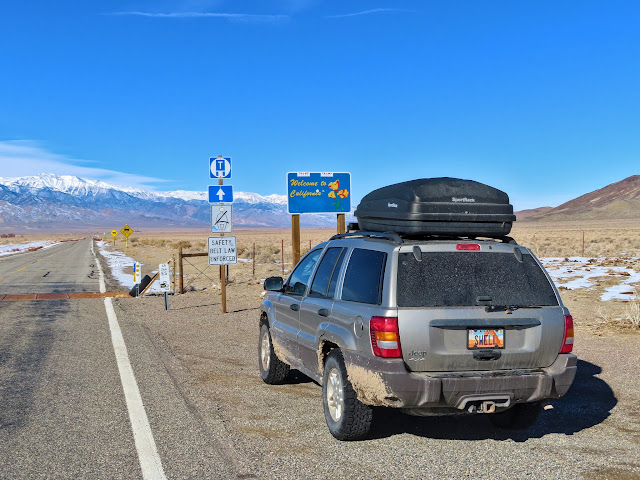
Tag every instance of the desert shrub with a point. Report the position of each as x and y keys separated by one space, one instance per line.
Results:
x=633 y=310
x=182 y=243
x=264 y=257
x=272 y=249
x=154 y=242
x=244 y=251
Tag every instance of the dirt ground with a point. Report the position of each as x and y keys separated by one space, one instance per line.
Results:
x=279 y=431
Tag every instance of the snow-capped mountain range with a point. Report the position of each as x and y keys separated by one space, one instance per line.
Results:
x=63 y=201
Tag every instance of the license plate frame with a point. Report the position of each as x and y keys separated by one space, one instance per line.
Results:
x=485 y=338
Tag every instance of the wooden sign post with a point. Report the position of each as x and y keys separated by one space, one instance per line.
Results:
x=295 y=238
x=223 y=277
x=341 y=223
x=221 y=252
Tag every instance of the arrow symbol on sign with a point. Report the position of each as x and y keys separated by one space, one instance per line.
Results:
x=220 y=194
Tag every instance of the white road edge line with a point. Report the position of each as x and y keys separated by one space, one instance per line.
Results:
x=150 y=461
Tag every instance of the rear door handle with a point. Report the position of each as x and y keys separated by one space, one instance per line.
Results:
x=295 y=307
x=323 y=312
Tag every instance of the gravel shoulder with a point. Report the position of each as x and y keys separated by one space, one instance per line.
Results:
x=280 y=432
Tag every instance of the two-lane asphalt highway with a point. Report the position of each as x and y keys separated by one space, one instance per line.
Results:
x=67 y=267
x=68 y=389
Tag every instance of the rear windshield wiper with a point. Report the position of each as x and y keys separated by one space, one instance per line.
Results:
x=507 y=308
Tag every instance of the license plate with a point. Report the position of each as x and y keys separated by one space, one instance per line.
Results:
x=485 y=338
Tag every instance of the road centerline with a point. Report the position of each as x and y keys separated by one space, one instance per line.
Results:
x=148 y=456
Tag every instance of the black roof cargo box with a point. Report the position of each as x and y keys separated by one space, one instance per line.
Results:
x=437 y=206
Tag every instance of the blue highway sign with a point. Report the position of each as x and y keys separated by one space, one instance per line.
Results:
x=318 y=192
x=220 y=194
x=220 y=167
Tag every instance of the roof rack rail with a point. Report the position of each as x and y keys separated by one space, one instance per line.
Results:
x=352 y=231
x=388 y=236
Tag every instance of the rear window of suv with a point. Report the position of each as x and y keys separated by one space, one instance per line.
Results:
x=363 y=278
x=457 y=279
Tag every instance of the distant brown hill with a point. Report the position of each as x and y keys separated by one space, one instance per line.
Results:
x=617 y=201
x=522 y=214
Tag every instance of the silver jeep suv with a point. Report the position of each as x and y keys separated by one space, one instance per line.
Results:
x=428 y=326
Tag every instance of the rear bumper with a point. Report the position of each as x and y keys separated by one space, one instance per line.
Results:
x=387 y=382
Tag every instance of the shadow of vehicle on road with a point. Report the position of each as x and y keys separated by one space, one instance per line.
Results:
x=588 y=403
x=295 y=377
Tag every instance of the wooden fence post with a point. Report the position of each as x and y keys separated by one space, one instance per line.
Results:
x=181 y=278
x=175 y=268
x=253 y=261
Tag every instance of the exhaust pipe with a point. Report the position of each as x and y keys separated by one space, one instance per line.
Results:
x=483 y=403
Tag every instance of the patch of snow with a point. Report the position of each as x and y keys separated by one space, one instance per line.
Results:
x=23 y=247
x=117 y=262
x=186 y=195
x=579 y=272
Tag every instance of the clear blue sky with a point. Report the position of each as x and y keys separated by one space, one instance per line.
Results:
x=538 y=98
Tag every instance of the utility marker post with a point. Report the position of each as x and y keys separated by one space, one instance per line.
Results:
x=165 y=282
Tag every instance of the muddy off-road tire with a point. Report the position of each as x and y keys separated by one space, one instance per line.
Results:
x=272 y=370
x=347 y=417
x=519 y=417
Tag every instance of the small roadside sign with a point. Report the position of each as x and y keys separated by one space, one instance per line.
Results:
x=222 y=251
x=126 y=231
x=221 y=219
x=137 y=273
x=114 y=233
x=220 y=194
x=165 y=280
x=220 y=167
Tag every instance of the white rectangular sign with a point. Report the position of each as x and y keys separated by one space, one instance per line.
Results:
x=222 y=251
x=163 y=274
x=221 y=219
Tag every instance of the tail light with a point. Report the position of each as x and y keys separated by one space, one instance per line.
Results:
x=385 y=337
x=467 y=246
x=567 y=342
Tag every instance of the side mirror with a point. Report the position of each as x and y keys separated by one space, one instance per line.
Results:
x=274 y=284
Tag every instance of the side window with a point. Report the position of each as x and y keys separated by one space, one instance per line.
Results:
x=299 y=278
x=363 y=278
x=327 y=273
